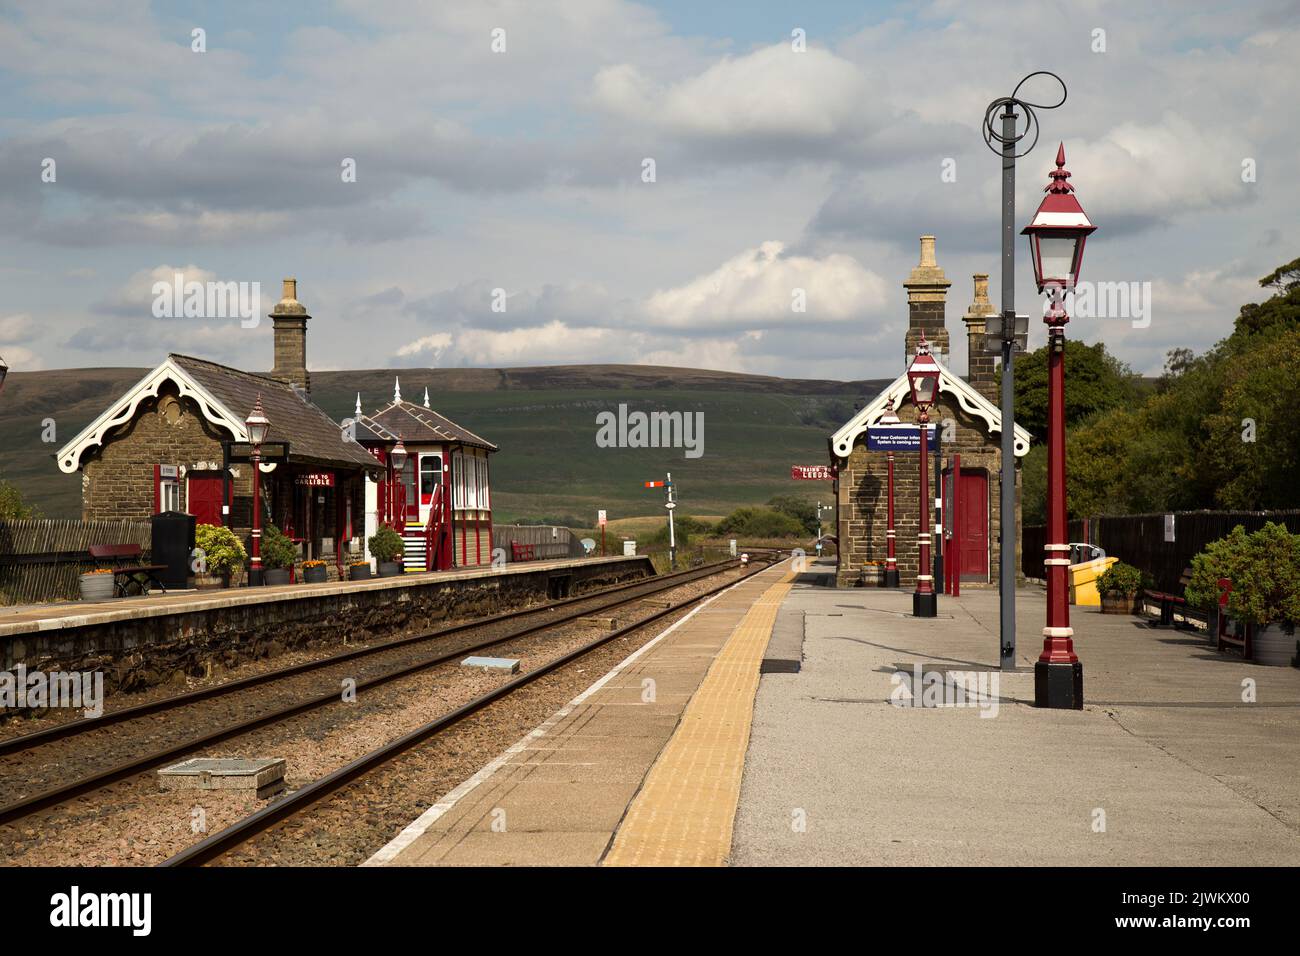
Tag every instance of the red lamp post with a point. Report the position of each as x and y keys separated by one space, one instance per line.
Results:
x=923 y=377
x=258 y=425
x=891 y=560
x=1057 y=235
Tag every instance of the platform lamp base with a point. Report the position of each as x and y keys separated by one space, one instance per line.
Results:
x=256 y=577
x=1059 y=686
x=891 y=578
x=925 y=605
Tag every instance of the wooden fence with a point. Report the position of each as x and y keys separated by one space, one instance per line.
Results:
x=548 y=541
x=1139 y=540
x=41 y=558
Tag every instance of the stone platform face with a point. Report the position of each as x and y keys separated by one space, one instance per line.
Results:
x=652 y=751
x=1167 y=764
x=161 y=633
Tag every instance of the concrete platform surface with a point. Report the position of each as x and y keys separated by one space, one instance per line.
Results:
x=558 y=796
x=1167 y=764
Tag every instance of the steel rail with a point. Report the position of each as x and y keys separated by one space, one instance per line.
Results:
x=243 y=830
x=63 y=792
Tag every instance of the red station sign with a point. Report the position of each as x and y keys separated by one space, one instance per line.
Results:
x=812 y=473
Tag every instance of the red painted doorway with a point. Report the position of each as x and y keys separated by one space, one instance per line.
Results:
x=203 y=496
x=973 y=522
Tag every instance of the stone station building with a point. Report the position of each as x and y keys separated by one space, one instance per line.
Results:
x=967 y=422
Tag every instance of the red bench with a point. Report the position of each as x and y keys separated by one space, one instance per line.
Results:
x=522 y=552
x=124 y=573
x=1169 y=602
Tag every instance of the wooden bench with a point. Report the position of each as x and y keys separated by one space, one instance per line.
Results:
x=1168 y=602
x=522 y=552
x=125 y=574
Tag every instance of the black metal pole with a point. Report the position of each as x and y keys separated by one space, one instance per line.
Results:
x=1007 y=510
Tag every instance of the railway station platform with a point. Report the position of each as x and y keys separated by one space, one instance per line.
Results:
x=158 y=629
x=779 y=732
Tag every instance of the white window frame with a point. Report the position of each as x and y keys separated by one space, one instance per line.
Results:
x=169 y=495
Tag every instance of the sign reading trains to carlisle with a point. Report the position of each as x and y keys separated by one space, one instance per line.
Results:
x=898 y=437
x=812 y=473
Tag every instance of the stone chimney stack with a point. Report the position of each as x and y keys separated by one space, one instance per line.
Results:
x=290 y=320
x=980 y=364
x=927 y=293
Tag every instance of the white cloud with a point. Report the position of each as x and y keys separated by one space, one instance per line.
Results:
x=434 y=344
x=756 y=289
x=17 y=328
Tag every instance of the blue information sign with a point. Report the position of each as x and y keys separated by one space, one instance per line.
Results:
x=901 y=437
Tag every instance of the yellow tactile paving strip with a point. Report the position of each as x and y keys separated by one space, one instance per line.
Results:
x=684 y=812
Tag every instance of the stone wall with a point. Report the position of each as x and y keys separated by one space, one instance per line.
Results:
x=229 y=627
x=117 y=483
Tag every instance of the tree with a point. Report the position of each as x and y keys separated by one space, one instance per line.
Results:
x=1278 y=313
x=12 y=506
x=1097 y=382
x=805 y=512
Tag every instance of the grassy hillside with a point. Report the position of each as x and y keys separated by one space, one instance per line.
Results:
x=544 y=420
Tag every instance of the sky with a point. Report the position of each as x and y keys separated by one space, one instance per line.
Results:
x=503 y=210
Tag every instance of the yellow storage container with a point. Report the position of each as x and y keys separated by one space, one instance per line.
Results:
x=1083 y=581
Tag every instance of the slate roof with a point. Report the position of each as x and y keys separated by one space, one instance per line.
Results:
x=414 y=423
x=313 y=436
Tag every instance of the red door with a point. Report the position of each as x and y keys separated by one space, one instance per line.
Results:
x=203 y=497
x=973 y=521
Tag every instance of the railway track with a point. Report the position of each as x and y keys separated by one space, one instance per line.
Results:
x=117 y=723
x=300 y=800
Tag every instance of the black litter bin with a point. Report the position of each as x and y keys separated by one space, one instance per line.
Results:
x=173 y=544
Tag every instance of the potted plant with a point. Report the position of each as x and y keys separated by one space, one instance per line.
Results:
x=1118 y=586
x=387 y=547
x=873 y=574
x=315 y=572
x=359 y=571
x=219 y=553
x=97 y=585
x=278 y=554
x=1264 y=568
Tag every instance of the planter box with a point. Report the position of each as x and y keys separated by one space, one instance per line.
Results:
x=97 y=587
x=276 y=575
x=1118 y=603
x=359 y=572
x=1274 y=646
x=873 y=576
x=389 y=569
x=211 y=582
x=315 y=575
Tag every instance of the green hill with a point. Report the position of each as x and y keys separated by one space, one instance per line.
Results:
x=543 y=418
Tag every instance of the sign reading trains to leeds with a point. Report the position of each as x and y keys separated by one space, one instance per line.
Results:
x=897 y=437
x=811 y=472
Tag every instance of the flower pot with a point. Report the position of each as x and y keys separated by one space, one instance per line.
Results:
x=97 y=587
x=1274 y=646
x=359 y=572
x=389 y=569
x=315 y=575
x=276 y=576
x=211 y=582
x=1118 y=602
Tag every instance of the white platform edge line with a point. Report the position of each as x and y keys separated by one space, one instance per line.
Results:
x=418 y=827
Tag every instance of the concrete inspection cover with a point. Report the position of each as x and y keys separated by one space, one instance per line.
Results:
x=265 y=775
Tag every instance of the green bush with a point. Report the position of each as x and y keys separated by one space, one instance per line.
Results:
x=223 y=552
x=277 y=550
x=685 y=528
x=760 y=523
x=386 y=544
x=1264 y=568
x=1121 y=578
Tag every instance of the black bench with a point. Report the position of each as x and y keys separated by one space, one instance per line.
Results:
x=1169 y=602
x=125 y=574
